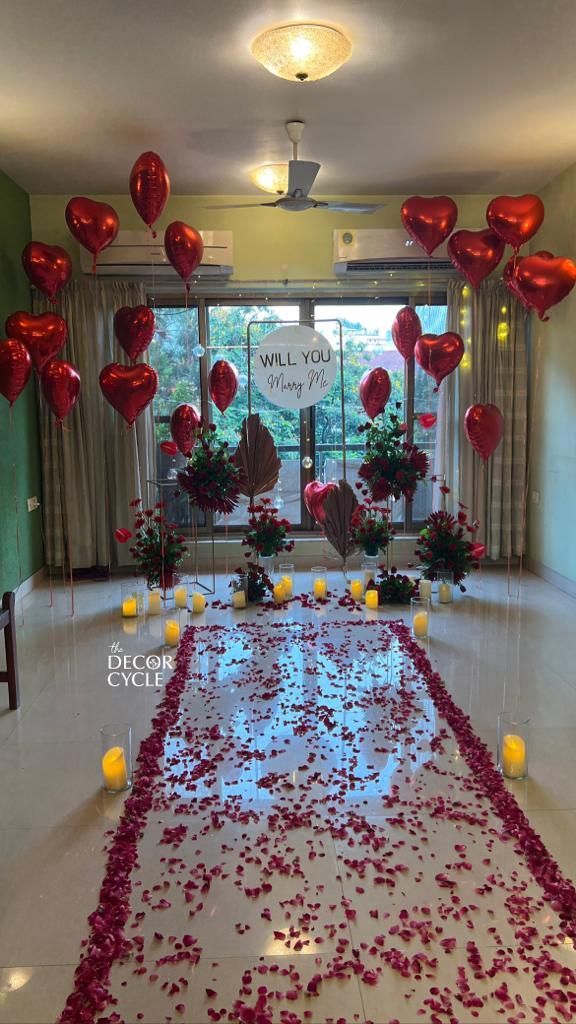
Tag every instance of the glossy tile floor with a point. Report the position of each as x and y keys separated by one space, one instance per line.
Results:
x=492 y=652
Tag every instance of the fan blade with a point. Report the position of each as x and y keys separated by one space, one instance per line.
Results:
x=237 y=206
x=352 y=207
x=301 y=176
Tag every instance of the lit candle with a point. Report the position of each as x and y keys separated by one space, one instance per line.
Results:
x=279 y=593
x=198 y=603
x=129 y=607
x=320 y=589
x=371 y=598
x=445 y=593
x=420 y=624
x=288 y=584
x=171 y=632
x=356 y=589
x=425 y=589
x=513 y=757
x=154 y=602
x=181 y=597
x=238 y=599
x=114 y=772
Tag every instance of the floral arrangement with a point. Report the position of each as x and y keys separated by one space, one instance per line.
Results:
x=259 y=583
x=267 y=535
x=444 y=545
x=395 y=588
x=391 y=467
x=210 y=477
x=157 y=546
x=370 y=528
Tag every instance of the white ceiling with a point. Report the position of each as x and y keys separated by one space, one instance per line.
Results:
x=457 y=96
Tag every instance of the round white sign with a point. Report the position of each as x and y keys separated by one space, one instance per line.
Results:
x=295 y=367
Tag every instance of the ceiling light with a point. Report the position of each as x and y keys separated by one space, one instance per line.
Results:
x=302 y=52
x=271 y=178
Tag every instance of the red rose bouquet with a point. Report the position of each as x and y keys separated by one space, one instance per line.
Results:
x=446 y=545
x=210 y=476
x=391 y=467
x=267 y=535
x=156 y=544
x=370 y=528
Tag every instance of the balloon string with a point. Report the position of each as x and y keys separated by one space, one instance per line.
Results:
x=16 y=505
x=68 y=544
x=530 y=420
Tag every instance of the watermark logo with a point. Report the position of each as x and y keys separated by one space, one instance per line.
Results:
x=140 y=670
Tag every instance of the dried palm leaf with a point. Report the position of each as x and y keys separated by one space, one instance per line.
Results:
x=339 y=507
x=257 y=458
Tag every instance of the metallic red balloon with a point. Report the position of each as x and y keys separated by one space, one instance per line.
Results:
x=427 y=420
x=60 y=386
x=223 y=384
x=478 y=551
x=149 y=186
x=129 y=389
x=134 y=327
x=122 y=534
x=374 y=389
x=406 y=330
x=94 y=225
x=15 y=368
x=169 y=447
x=484 y=426
x=44 y=334
x=543 y=280
x=429 y=219
x=439 y=354
x=184 y=248
x=475 y=254
x=515 y=219
x=315 y=495
x=184 y=422
x=48 y=267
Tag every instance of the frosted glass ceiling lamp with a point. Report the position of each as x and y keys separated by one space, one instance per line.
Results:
x=271 y=178
x=302 y=52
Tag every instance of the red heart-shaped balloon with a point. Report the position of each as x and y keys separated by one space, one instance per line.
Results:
x=515 y=219
x=315 y=495
x=439 y=354
x=374 y=389
x=134 y=328
x=122 y=534
x=169 y=447
x=60 y=386
x=184 y=248
x=44 y=334
x=15 y=368
x=406 y=330
x=475 y=253
x=478 y=551
x=149 y=186
x=427 y=420
x=48 y=267
x=509 y=271
x=484 y=426
x=94 y=225
x=429 y=219
x=129 y=389
x=223 y=384
x=543 y=280
x=184 y=422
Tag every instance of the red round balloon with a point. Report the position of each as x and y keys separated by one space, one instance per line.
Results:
x=15 y=368
x=515 y=219
x=134 y=327
x=149 y=186
x=129 y=389
x=48 y=267
x=184 y=422
x=94 y=225
x=429 y=219
x=169 y=447
x=406 y=330
x=439 y=354
x=542 y=280
x=315 y=495
x=184 y=248
x=484 y=426
x=375 y=388
x=223 y=384
x=60 y=386
x=44 y=334
x=475 y=254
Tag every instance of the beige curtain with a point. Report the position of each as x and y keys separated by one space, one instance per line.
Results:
x=95 y=466
x=493 y=326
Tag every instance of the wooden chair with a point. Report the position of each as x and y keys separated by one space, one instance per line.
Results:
x=8 y=624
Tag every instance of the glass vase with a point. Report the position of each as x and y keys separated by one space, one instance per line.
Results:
x=266 y=563
x=420 y=615
x=370 y=569
x=132 y=603
x=286 y=571
x=239 y=590
x=319 y=582
x=445 y=587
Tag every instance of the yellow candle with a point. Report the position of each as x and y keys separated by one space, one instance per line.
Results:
x=320 y=589
x=445 y=593
x=154 y=602
x=114 y=772
x=425 y=589
x=420 y=624
x=288 y=584
x=238 y=599
x=181 y=597
x=171 y=632
x=279 y=593
x=371 y=599
x=356 y=589
x=198 y=603
x=129 y=607
x=513 y=757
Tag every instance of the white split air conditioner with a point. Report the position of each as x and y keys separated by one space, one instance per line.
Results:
x=136 y=254
x=371 y=251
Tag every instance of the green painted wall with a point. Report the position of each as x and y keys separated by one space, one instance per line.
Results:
x=20 y=440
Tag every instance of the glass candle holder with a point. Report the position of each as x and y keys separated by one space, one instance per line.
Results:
x=425 y=589
x=198 y=603
x=154 y=602
x=356 y=589
x=369 y=571
x=445 y=587
x=286 y=570
x=171 y=633
x=420 y=614
x=132 y=600
x=266 y=563
x=239 y=590
x=513 y=734
x=319 y=582
x=181 y=594
x=116 y=764
x=371 y=598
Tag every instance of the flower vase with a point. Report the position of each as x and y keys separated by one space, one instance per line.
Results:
x=266 y=563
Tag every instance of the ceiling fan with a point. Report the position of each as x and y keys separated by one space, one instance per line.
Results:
x=301 y=177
